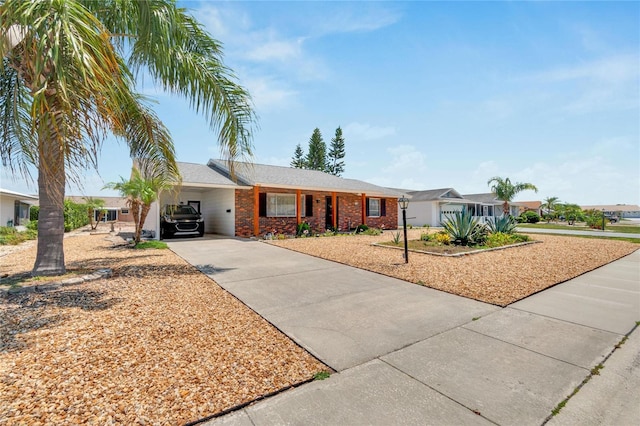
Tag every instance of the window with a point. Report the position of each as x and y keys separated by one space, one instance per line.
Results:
x=281 y=205
x=124 y=211
x=376 y=207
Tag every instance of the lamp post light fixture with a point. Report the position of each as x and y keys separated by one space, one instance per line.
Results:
x=403 y=202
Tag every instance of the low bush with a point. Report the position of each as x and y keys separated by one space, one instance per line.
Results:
x=11 y=236
x=371 y=231
x=303 y=229
x=32 y=225
x=425 y=236
x=442 y=238
x=396 y=238
x=499 y=239
x=361 y=228
x=530 y=217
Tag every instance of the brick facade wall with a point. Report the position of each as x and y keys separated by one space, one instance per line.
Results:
x=349 y=213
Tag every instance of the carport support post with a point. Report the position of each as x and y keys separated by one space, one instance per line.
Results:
x=364 y=208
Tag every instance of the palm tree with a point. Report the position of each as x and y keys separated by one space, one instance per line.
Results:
x=93 y=205
x=140 y=192
x=506 y=191
x=67 y=82
x=549 y=205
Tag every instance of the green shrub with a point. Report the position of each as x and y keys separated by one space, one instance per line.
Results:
x=303 y=229
x=530 y=217
x=464 y=229
x=75 y=215
x=361 y=228
x=33 y=213
x=11 y=236
x=503 y=224
x=32 y=225
x=500 y=239
x=371 y=231
x=425 y=236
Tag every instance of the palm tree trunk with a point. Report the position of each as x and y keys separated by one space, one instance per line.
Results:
x=51 y=184
x=505 y=208
x=144 y=211
x=135 y=211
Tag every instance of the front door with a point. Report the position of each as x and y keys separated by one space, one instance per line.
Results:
x=329 y=212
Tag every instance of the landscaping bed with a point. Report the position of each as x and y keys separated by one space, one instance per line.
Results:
x=499 y=277
x=157 y=343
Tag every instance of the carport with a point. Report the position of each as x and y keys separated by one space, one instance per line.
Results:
x=207 y=191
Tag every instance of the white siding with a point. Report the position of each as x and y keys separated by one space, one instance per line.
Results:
x=6 y=210
x=214 y=206
x=421 y=213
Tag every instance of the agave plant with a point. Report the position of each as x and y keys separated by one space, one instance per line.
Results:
x=464 y=229
x=503 y=224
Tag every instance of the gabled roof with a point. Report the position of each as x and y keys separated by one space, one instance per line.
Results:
x=487 y=198
x=109 y=202
x=293 y=178
x=17 y=196
x=202 y=175
x=435 y=194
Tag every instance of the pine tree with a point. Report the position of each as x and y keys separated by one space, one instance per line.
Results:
x=316 y=157
x=335 y=165
x=297 y=160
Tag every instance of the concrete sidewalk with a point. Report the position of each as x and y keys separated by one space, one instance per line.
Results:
x=405 y=354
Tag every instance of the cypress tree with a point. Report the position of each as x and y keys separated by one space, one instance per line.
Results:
x=317 y=154
x=335 y=165
x=297 y=160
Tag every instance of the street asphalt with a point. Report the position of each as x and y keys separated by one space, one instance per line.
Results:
x=406 y=354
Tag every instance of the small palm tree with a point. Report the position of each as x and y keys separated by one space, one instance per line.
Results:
x=93 y=205
x=506 y=191
x=140 y=192
x=550 y=204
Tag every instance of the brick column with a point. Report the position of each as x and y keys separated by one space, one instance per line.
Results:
x=298 y=206
x=334 y=207
x=256 y=210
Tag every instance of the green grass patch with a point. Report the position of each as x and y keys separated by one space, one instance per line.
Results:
x=597 y=237
x=623 y=228
x=321 y=375
x=151 y=245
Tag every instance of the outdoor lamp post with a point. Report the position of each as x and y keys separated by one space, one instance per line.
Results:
x=603 y=219
x=403 y=202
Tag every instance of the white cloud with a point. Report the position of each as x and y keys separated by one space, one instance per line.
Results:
x=403 y=158
x=269 y=93
x=360 y=132
x=613 y=69
x=358 y=19
x=280 y=50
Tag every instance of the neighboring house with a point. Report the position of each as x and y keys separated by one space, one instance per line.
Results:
x=14 y=207
x=530 y=206
x=626 y=211
x=117 y=209
x=432 y=207
x=272 y=199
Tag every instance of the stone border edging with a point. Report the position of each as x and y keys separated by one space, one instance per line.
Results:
x=467 y=253
x=100 y=273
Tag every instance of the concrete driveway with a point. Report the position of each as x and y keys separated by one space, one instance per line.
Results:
x=405 y=354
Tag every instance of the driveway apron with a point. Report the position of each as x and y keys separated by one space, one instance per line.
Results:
x=406 y=354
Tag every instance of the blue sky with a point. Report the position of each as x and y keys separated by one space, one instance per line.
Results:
x=430 y=94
